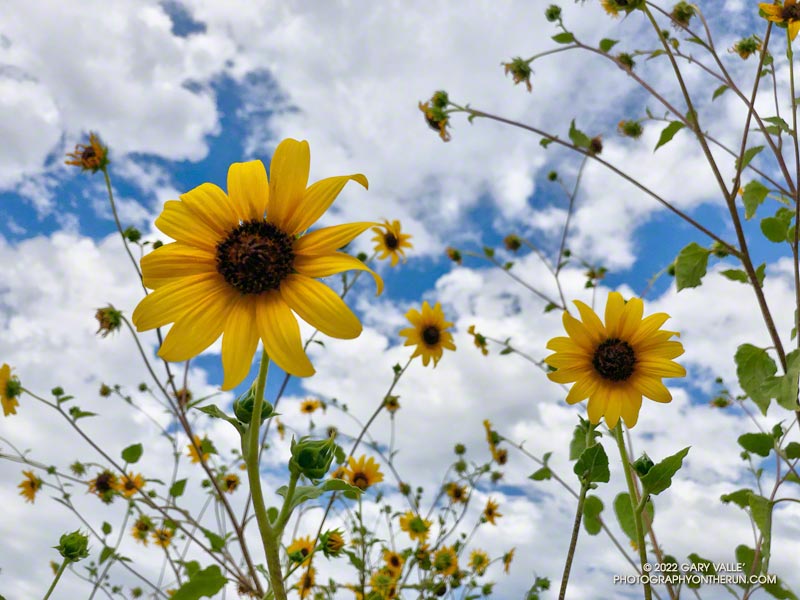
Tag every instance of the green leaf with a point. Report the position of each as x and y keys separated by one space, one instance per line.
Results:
x=761 y=270
x=778 y=589
x=607 y=44
x=216 y=542
x=753 y=367
x=106 y=527
x=690 y=266
x=792 y=450
x=133 y=453
x=592 y=466
x=784 y=388
x=752 y=196
x=302 y=493
x=761 y=511
x=541 y=474
x=708 y=566
x=779 y=123
x=719 y=91
x=564 y=38
x=668 y=133
x=592 y=507
x=757 y=443
x=748 y=155
x=176 y=491
x=580 y=139
x=741 y=498
x=746 y=556
x=106 y=553
x=214 y=411
x=774 y=229
x=659 y=477
x=545 y=142
x=624 y=512
x=735 y=275
x=202 y=584
x=578 y=443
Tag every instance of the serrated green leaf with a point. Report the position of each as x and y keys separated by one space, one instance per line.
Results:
x=779 y=123
x=592 y=507
x=563 y=38
x=774 y=229
x=624 y=512
x=214 y=411
x=607 y=44
x=592 y=466
x=752 y=197
x=719 y=91
x=202 y=584
x=580 y=139
x=659 y=477
x=690 y=266
x=761 y=511
x=754 y=367
x=741 y=498
x=132 y=453
x=668 y=133
x=749 y=154
x=177 y=488
x=578 y=443
x=735 y=275
x=217 y=542
x=757 y=443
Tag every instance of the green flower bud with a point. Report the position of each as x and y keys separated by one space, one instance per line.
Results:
x=643 y=464
x=73 y=546
x=553 y=13
x=243 y=407
x=312 y=458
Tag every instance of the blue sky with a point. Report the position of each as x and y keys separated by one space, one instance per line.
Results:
x=179 y=91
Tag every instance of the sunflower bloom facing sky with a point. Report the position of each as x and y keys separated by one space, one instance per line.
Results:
x=787 y=13
x=242 y=266
x=390 y=242
x=616 y=363
x=429 y=333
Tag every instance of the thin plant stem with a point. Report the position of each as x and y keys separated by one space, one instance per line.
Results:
x=573 y=542
x=58 y=576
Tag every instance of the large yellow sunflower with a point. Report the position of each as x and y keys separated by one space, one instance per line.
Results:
x=428 y=333
x=787 y=14
x=242 y=266
x=390 y=242
x=616 y=363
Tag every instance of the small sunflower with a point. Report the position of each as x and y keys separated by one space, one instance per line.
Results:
x=241 y=266
x=615 y=364
x=507 y=558
x=457 y=493
x=478 y=561
x=445 y=561
x=10 y=389
x=129 y=484
x=300 y=550
x=391 y=403
x=310 y=405
x=141 y=529
x=29 y=486
x=332 y=542
x=394 y=562
x=490 y=512
x=390 y=242
x=415 y=526
x=104 y=486
x=614 y=7
x=363 y=472
x=92 y=157
x=339 y=472
x=230 y=482
x=428 y=333
x=306 y=583
x=194 y=455
x=163 y=536
x=786 y=14
x=384 y=584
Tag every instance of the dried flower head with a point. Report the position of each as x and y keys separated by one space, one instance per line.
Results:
x=520 y=70
x=92 y=157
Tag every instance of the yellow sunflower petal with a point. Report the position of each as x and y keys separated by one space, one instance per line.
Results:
x=239 y=342
x=647 y=327
x=578 y=333
x=316 y=200
x=563 y=344
x=210 y=204
x=592 y=322
x=330 y=239
x=794 y=27
x=181 y=224
x=666 y=350
x=630 y=408
x=651 y=387
x=631 y=318
x=582 y=389
x=171 y=301
x=562 y=360
x=568 y=375
x=173 y=261
x=280 y=334
x=248 y=189
x=199 y=327
x=288 y=175
x=660 y=368
x=597 y=404
x=613 y=409
x=414 y=316
x=773 y=11
x=319 y=306
x=614 y=306
x=330 y=264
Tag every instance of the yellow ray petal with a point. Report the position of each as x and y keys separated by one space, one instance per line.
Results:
x=568 y=359
x=568 y=375
x=248 y=189
x=239 y=341
x=578 y=333
x=288 y=174
x=280 y=334
x=330 y=264
x=597 y=404
x=660 y=368
x=181 y=224
x=630 y=408
x=582 y=389
x=316 y=200
x=330 y=239
x=666 y=350
x=651 y=387
x=319 y=306
x=592 y=322
x=199 y=327
x=631 y=318
x=169 y=302
x=613 y=409
x=794 y=27
x=647 y=327
x=614 y=306
x=563 y=344
x=210 y=204
x=175 y=260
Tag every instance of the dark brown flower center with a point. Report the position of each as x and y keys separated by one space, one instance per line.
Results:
x=361 y=481
x=431 y=335
x=614 y=359
x=130 y=485
x=390 y=240
x=88 y=153
x=255 y=257
x=103 y=482
x=791 y=12
x=394 y=561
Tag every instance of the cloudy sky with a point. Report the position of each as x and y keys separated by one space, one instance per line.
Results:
x=179 y=90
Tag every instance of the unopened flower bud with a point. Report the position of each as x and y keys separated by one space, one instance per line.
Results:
x=73 y=546
x=312 y=458
x=643 y=464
